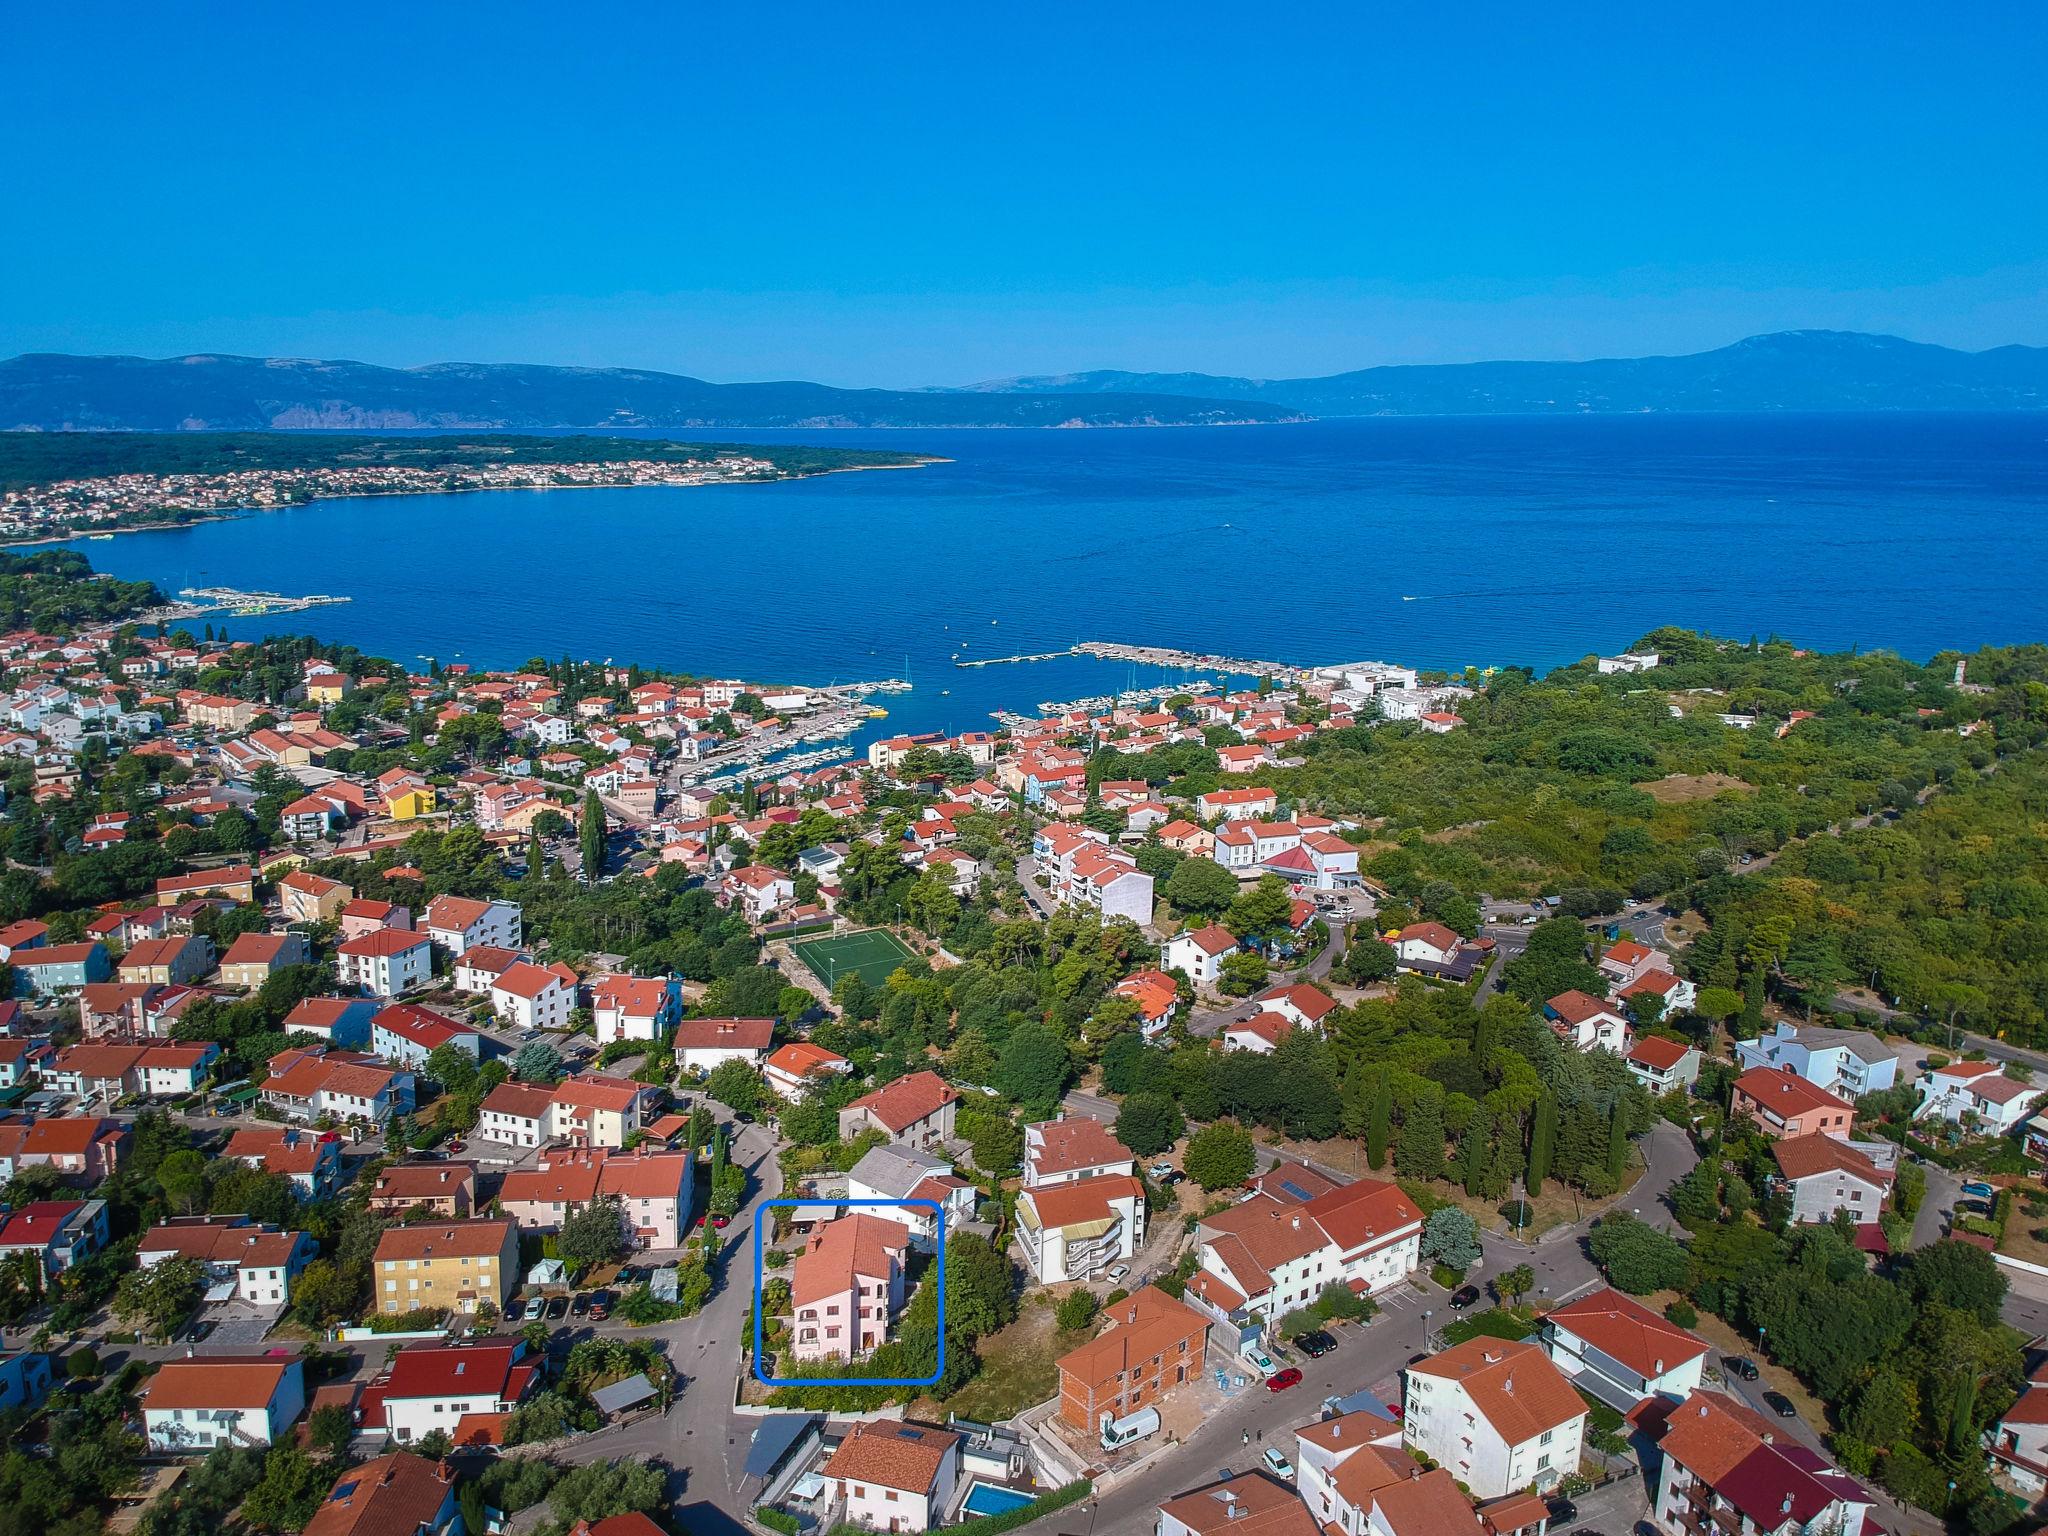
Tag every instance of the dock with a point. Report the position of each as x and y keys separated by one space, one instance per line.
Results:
x=1001 y=661
x=1166 y=656
x=248 y=604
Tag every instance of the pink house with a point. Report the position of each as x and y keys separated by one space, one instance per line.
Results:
x=846 y=1287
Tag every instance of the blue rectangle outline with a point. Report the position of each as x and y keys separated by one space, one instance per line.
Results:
x=761 y=1317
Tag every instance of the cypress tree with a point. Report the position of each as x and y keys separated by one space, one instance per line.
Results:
x=1472 y=1152
x=1617 y=1145
x=592 y=832
x=1379 y=1122
x=1420 y=1154
x=1751 y=1024
x=536 y=861
x=1542 y=1143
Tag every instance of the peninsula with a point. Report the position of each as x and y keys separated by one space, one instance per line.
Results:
x=53 y=485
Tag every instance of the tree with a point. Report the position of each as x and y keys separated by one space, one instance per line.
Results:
x=1263 y=912
x=1511 y=1285
x=594 y=1235
x=290 y=1493
x=737 y=1086
x=182 y=1178
x=1956 y=1275
x=1035 y=1068
x=1451 y=1238
x=1241 y=974
x=601 y=1489
x=1076 y=1309
x=1201 y=888
x=1637 y=1257
x=162 y=1296
x=591 y=830
x=1149 y=1123
x=323 y=1294
x=1367 y=960
x=996 y=1139
x=537 y=1062
x=453 y=1068
x=1379 y=1121
x=1542 y=1143
x=1219 y=1156
x=332 y=1429
x=1718 y=1005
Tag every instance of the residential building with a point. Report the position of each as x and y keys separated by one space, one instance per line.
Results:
x=635 y=1007
x=56 y=1233
x=1072 y=1148
x=445 y=1188
x=406 y=1034
x=1786 y=1104
x=1496 y=1414
x=192 y=1405
x=386 y=1494
x=24 y=1380
x=760 y=891
x=458 y=924
x=57 y=970
x=310 y=898
x=1151 y=1344
x=1621 y=1352
x=2017 y=1445
x=1846 y=1062
x=311 y=1160
x=232 y=882
x=1074 y=1229
x=1824 y=1174
x=106 y=1073
x=456 y=1265
x=170 y=961
x=702 y=1044
x=1264 y=1257
x=1723 y=1467
x=916 y=1110
x=596 y=1110
x=254 y=957
x=1586 y=1023
x=312 y=1081
x=1302 y=1005
x=342 y=1021
x=1977 y=1094
x=439 y=1385
x=891 y=1172
x=895 y=1476
x=529 y=996
x=792 y=1068
x=259 y=1262
x=477 y=970
x=517 y=1114
x=85 y=1149
x=1664 y=1065
x=846 y=1286
x=1199 y=953
x=1246 y=1505
x=385 y=962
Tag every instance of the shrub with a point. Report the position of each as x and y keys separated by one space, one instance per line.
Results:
x=1076 y=1309
x=1681 y=1313
x=778 y=1520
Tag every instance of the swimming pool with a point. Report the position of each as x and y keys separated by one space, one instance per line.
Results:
x=992 y=1499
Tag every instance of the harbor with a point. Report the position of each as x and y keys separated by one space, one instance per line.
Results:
x=244 y=604
x=1166 y=656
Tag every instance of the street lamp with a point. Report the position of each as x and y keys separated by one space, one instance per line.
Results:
x=1427 y=1314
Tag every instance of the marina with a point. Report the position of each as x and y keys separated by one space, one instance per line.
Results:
x=246 y=604
x=1166 y=656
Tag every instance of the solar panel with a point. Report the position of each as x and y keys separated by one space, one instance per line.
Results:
x=1296 y=1190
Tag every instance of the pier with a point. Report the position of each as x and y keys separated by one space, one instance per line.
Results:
x=999 y=661
x=1166 y=656
x=247 y=604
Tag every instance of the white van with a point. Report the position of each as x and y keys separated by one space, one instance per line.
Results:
x=1132 y=1426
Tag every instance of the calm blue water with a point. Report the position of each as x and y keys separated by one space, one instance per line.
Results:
x=1436 y=542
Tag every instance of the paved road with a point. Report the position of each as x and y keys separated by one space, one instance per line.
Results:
x=1026 y=869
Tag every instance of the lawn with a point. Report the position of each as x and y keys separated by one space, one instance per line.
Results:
x=1497 y=1323
x=875 y=953
x=1019 y=1368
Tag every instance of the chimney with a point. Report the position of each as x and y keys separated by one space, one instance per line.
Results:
x=1659 y=1370
x=1785 y=1507
x=1295 y=1222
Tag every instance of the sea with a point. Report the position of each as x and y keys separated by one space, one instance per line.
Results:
x=1435 y=542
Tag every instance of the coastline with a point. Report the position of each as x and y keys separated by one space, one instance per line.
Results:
x=237 y=514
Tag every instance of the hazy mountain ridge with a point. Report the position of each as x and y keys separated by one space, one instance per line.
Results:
x=1786 y=370
x=54 y=391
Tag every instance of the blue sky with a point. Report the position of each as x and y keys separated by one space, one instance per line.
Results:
x=906 y=195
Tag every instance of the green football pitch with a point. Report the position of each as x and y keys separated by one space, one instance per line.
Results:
x=875 y=953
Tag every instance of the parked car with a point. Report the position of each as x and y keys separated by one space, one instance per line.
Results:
x=600 y=1306
x=197 y=1333
x=1277 y=1464
x=1563 y=1511
x=1117 y=1273
x=1781 y=1405
x=1282 y=1380
x=1739 y=1365
x=1161 y=1170
x=579 y=1305
x=558 y=1308
x=515 y=1309
x=1258 y=1359
x=1314 y=1344
x=1463 y=1297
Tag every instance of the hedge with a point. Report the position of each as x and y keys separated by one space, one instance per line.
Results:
x=778 y=1520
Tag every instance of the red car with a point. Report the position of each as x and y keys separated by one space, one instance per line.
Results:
x=720 y=1222
x=1281 y=1381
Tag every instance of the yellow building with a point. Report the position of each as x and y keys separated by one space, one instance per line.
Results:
x=452 y=1264
x=409 y=804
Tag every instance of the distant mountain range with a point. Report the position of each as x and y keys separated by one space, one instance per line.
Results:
x=55 y=392
x=1787 y=371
